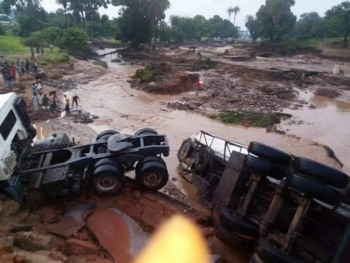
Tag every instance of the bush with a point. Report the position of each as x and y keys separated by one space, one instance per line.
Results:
x=75 y=40
x=205 y=65
x=2 y=30
x=148 y=74
x=304 y=37
x=100 y=63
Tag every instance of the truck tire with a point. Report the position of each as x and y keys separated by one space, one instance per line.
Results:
x=329 y=175
x=32 y=132
x=314 y=189
x=107 y=180
x=109 y=161
x=232 y=239
x=152 y=176
x=104 y=133
x=269 y=153
x=245 y=227
x=146 y=131
x=257 y=165
x=269 y=253
x=256 y=259
x=148 y=160
x=185 y=150
x=203 y=159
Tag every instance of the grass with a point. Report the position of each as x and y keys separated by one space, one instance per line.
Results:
x=101 y=63
x=149 y=73
x=11 y=47
x=111 y=41
x=257 y=119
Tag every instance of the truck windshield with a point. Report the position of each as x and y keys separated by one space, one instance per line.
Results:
x=7 y=125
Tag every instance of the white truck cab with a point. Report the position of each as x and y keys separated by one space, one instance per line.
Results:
x=16 y=130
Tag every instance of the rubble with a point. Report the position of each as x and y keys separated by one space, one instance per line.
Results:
x=31 y=241
x=65 y=85
x=330 y=93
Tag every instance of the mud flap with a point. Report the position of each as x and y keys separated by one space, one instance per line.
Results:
x=15 y=190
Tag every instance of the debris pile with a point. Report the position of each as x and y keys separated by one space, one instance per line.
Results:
x=65 y=85
x=95 y=230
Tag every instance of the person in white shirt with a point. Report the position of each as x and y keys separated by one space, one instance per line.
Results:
x=39 y=87
x=336 y=70
x=35 y=103
x=40 y=101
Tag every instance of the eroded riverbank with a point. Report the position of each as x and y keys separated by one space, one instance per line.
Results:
x=128 y=110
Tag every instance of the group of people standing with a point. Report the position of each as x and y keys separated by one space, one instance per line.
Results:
x=40 y=101
x=338 y=69
x=11 y=70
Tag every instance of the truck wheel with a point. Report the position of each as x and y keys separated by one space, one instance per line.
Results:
x=148 y=160
x=269 y=153
x=203 y=159
x=257 y=165
x=269 y=253
x=329 y=175
x=104 y=133
x=109 y=161
x=152 y=176
x=314 y=189
x=232 y=239
x=185 y=150
x=146 y=131
x=107 y=180
x=32 y=132
x=256 y=259
x=238 y=225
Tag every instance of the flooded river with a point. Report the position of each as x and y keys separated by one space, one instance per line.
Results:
x=127 y=110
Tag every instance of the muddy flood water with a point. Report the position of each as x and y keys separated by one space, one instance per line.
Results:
x=127 y=110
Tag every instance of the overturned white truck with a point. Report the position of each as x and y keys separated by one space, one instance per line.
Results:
x=55 y=167
x=278 y=207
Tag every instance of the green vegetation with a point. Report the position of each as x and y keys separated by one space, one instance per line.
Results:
x=257 y=119
x=12 y=45
x=205 y=65
x=149 y=73
x=101 y=63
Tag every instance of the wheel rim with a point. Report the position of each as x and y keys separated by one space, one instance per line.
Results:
x=184 y=151
x=152 y=180
x=107 y=183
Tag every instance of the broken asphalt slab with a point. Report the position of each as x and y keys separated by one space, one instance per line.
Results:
x=73 y=220
x=117 y=233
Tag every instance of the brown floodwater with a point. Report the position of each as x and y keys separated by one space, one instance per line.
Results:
x=328 y=124
x=127 y=110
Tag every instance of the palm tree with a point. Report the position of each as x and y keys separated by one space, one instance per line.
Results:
x=236 y=10
x=154 y=10
x=230 y=12
x=64 y=3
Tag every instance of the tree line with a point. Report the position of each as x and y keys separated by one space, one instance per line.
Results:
x=144 y=21
x=275 y=21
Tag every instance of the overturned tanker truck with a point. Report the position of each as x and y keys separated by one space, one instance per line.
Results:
x=277 y=207
x=55 y=167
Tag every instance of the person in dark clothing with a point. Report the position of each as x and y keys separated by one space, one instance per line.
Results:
x=38 y=51
x=27 y=65
x=67 y=109
x=4 y=75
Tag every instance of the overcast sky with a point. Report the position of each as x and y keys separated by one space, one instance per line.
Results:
x=209 y=8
